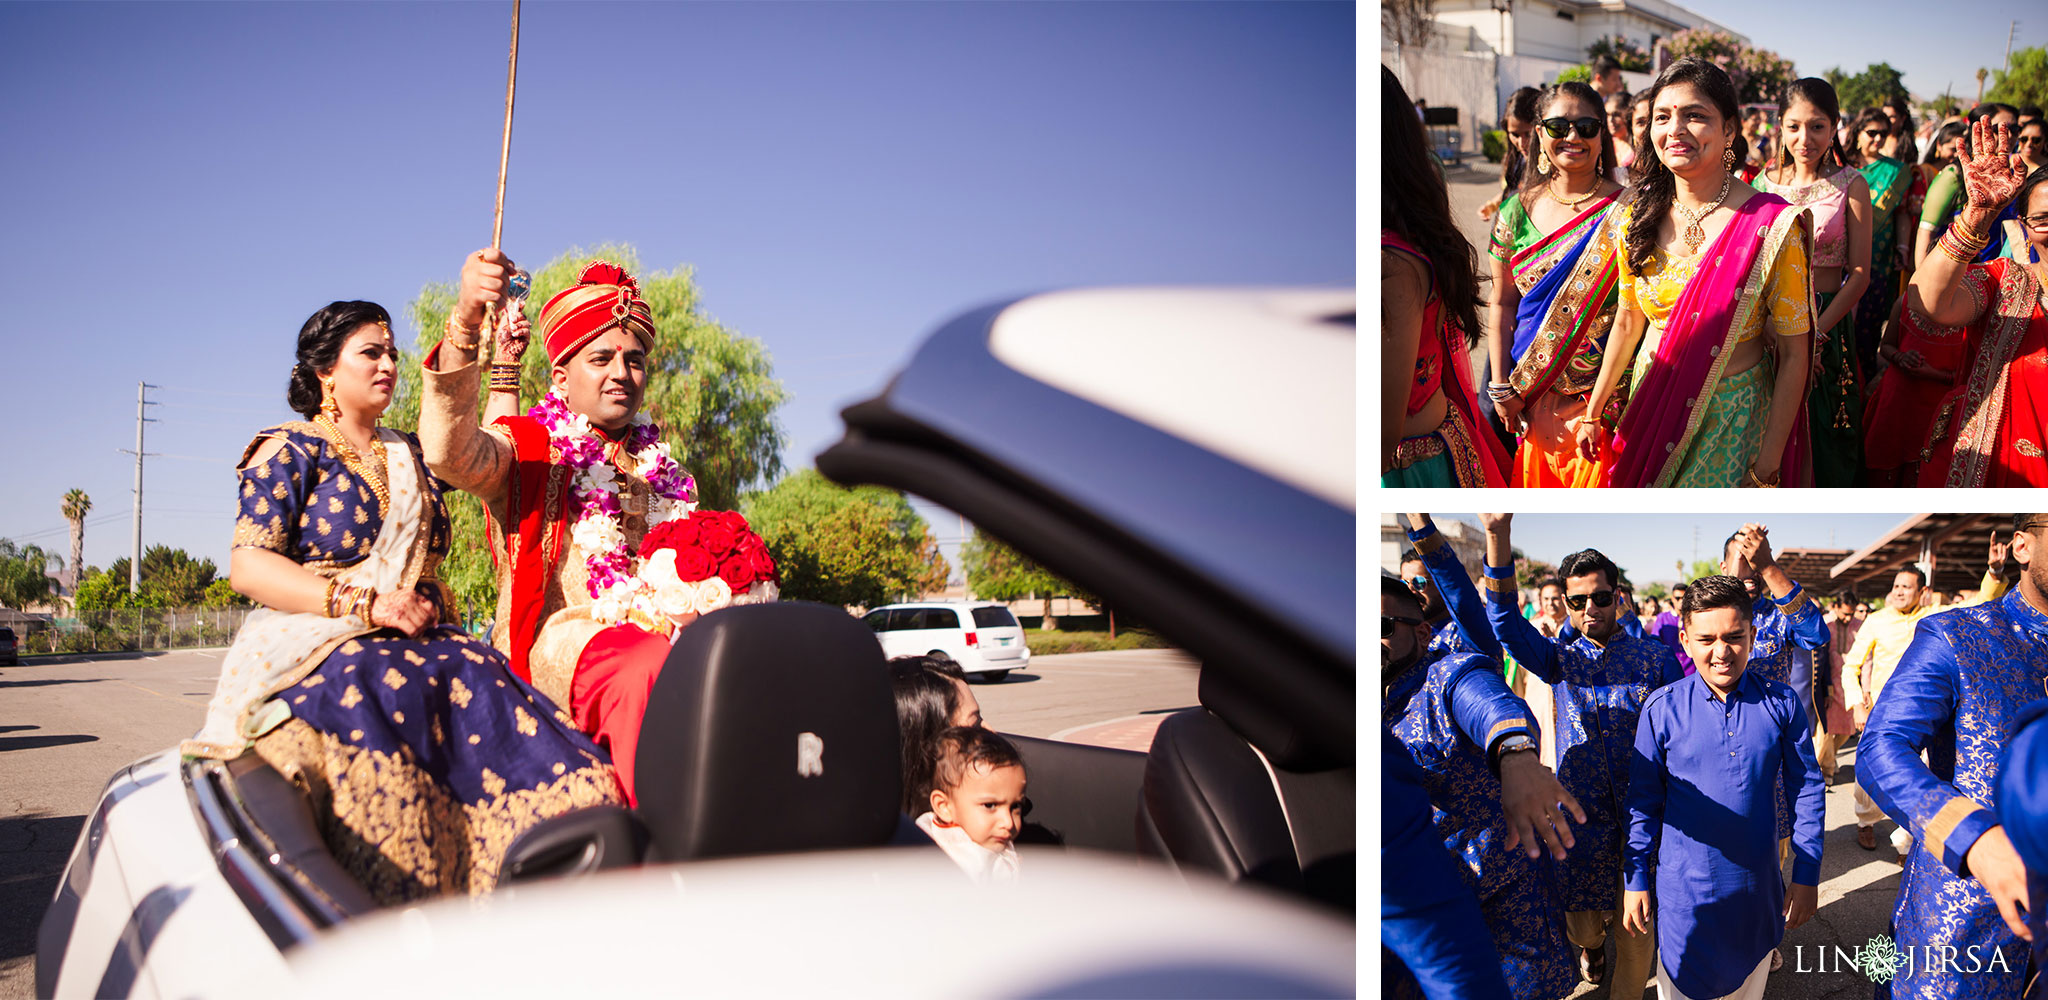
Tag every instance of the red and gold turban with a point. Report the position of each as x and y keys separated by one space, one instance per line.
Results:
x=603 y=297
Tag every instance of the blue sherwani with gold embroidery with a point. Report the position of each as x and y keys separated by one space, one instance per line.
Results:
x=1779 y=630
x=1450 y=710
x=1955 y=695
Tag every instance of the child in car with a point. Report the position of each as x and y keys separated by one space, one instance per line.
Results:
x=977 y=802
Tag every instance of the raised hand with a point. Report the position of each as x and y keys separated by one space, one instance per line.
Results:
x=1755 y=545
x=1998 y=550
x=1495 y=522
x=514 y=332
x=484 y=277
x=1988 y=171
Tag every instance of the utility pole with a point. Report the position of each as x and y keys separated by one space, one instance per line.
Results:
x=2010 y=34
x=135 y=561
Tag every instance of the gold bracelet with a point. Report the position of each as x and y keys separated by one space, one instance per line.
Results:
x=463 y=338
x=1959 y=250
x=1750 y=477
x=327 y=599
x=504 y=378
x=366 y=602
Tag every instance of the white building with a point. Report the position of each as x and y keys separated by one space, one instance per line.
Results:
x=1525 y=43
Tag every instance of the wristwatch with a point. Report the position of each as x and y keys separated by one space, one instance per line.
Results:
x=1513 y=744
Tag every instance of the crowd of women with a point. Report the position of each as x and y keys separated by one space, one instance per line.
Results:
x=1684 y=296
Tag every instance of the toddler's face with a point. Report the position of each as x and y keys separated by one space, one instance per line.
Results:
x=988 y=806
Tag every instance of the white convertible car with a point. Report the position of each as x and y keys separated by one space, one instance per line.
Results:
x=1188 y=455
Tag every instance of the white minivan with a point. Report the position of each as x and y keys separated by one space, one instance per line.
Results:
x=984 y=639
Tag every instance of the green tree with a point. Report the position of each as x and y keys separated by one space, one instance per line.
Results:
x=1579 y=74
x=864 y=546
x=2026 y=83
x=24 y=575
x=104 y=590
x=76 y=505
x=1530 y=573
x=170 y=578
x=1625 y=52
x=1760 y=76
x=1878 y=83
x=1702 y=567
x=712 y=391
x=221 y=594
x=997 y=572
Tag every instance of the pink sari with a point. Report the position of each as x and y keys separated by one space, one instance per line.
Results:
x=1665 y=412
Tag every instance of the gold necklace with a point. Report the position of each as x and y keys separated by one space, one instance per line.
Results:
x=372 y=475
x=1551 y=190
x=1696 y=234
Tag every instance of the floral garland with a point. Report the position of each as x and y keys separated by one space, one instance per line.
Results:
x=698 y=564
x=594 y=493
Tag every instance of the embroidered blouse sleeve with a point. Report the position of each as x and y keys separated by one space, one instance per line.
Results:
x=1626 y=287
x=1506 y=225
x=1789 y=293
x=1941 y=195
x=272 y=494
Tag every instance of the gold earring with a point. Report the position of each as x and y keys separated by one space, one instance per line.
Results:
x=1543 y=163
x=1728 y=156
x=328 y=407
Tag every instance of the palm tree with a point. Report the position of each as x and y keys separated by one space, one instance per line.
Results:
x=76 y=504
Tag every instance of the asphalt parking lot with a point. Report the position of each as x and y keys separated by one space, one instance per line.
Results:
x=67 y=727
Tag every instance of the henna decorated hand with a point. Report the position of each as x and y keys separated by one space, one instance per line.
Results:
x=512 y=337
x=1988 y=171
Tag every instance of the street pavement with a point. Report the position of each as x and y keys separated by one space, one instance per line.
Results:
x=67 y=727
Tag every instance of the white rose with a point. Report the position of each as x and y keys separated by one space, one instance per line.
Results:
x=609 y=609
x=712 y=594
x=600 y=476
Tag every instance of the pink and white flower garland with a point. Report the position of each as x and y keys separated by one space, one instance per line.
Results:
x=594 y=494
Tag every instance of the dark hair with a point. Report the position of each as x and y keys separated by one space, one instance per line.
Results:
x=1842 y=599
x=1909 y=147
x=926 y=698
x=1416 y=205
x=958 y=750
x=1710 y=592
x=320 y=343
x=1398 y=589
x=1586 y=562
x=2028 y=111
x=1681 y=585
x=1920 y=578
x=1867 y=116
x=1606 y=65
x=1657 y=187
x=1409 y=556
x=1603 y=167
x=1522 y=106
x=1952 y=130
x=2034 y=179
x=1821 y=94
x=1627 y=99
x=1550 y=581
x=1990 y=108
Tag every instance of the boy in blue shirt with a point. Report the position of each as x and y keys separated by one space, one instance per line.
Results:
x=1712 y=754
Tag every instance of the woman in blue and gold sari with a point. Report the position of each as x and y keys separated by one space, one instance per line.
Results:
x=1554 y=279
x=1715 y=289
x=422 y=755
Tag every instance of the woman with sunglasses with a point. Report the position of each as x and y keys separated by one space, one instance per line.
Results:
x=1431 y=433
x=1709 y=265
x=1554 y=277
x=1945 y=192
x=1811 y=172
x=1988 y=431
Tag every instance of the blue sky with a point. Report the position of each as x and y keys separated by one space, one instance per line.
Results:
x=182 y=184
x=1934 y=45
x=1646 y=545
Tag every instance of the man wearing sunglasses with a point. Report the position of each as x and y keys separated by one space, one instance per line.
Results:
x=1496 y=805
x=1956 y=696
x=1599 y=676
x=1445 y=635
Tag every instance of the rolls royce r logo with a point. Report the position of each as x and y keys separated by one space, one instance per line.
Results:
x=810 y=755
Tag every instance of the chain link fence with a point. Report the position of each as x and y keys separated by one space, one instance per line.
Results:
x=122 y=629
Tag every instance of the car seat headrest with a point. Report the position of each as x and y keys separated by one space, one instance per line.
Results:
x=771 y=729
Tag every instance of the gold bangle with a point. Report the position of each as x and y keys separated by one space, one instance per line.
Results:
x=327 y=599
x=463 y=338
x=504 y=378
x=1751 y=478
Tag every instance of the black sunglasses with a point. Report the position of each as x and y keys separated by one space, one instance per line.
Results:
x=1877 y=133
x=1600 y=599
x=1556 y=127
x=1389 y=622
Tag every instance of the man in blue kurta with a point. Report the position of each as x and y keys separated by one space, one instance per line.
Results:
x=1713 y=755
x=1429 y=919
x=2023 y=811
x=1599 y=676
x=1964 y=680
x=1438 y=614
x=1488 y=795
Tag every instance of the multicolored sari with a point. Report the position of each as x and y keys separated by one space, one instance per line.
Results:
x=1567 y=282
x=1687 y=424
x=1992 y=428
x=1459 y=452
x=1890 y=181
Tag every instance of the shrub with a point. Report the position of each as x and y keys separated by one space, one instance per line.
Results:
x=1582 y=73
x=1054 y=643
x=1493 y=145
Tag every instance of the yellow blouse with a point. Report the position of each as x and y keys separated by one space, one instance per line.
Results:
x=1657 y=291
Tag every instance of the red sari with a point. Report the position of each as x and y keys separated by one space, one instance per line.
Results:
x=1995 y=417
x=1902 y=406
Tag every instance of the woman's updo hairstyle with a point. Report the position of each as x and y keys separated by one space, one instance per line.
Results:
x=1821 y=94
x=320 y=343
x=1657 y=188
